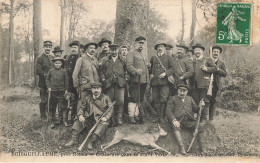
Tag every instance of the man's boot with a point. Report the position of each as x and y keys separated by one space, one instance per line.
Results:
x=42 y=111
x=212 y=111
x=178 y=138
x=138 y=114
x=131 y=114
x=74 y=139
x=92 y=141
x=60 y=115
x=119 y=117
x=205 y=114
x=201 y=138
x=65 y=117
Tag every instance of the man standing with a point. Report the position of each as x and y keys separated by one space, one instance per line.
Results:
x=123 y=52
x=90 y=110
x=113 y=74
x=181 y=111
x=217 y=75
x=69 y=67
x=203 y=68
x=137 y=66
x=86 y=71
x=43 y=64
x=104 y=54
x=183 y=67
x=161 y=68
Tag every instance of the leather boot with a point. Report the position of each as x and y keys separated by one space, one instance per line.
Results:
x=205 y=114
x=42 y=111
x=65 y=117
x=119 y=117
x=178 y=138
x=74 y=139
x=212 y=111
x=92 y=141
x=131 y=109
x=201 y=138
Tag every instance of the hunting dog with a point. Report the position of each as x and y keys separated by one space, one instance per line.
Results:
x=143 y=139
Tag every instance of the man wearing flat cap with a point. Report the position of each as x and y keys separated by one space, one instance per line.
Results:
x=70 y=63
x=161 y=68
x=123 y=51
x=137 y=66
x=113 y=75
x=183 y=67
x=104 y=54
x=90 y=110
x=181 y=111
x=43 y=65
x=217 y=75
x=86 y=71
x=203 y=68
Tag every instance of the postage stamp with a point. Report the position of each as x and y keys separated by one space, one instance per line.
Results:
x=234 y=24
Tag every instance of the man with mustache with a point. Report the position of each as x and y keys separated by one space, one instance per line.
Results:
x=217 y=75
x=161 y=67
x=43 y=65
x=123 y=51
x=183 y=67
x=137 y=66
x=113 y=75
x=70 y=63
x=86 y=71
x=181 y=111
x=104 y=54
x=90 y=110
x=203 y=68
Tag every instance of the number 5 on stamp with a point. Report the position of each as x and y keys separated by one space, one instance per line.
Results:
x=234 y=23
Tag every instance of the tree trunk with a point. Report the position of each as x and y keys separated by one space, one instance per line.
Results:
x=182 y=21
x=63 y=5
x=37 y=32
x=11 y=42
x=131 y=21
x=193 y=23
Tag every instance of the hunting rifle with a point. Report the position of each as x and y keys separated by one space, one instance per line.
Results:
x=211 y=77
x=94 y=127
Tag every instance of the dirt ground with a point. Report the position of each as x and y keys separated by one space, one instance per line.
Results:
x=233 y=134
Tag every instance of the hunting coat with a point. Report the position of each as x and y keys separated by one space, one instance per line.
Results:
x=114 y=70
x=43 y=65
x=70 y=63
x=96 y=106
x=57 y=80
x=157 y=69
x=218 y=74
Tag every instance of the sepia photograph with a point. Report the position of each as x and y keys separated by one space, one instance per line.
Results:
x=130 y=80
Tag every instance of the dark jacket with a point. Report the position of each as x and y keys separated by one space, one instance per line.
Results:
x=110 y=70
x=177 y=109
x=43 y=65
x=136 y=60
x=70 y=63
x=157 y=69
x=101 y=57
x=87 y=107
x=219 y=73
x=57 y=80
x=202 y=78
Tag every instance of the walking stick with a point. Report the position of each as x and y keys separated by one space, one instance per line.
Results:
x=196 y=129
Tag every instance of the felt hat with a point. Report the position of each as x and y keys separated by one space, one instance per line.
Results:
x=161 y=43
x=57 y=49
x=91 y=43
x=113 y=46
x=140 y=38
x=183 y=45
x=217 y=47
x=77 y=43
x=169 y=47
x=104 y=40
x=96 y=84
x=198 y=46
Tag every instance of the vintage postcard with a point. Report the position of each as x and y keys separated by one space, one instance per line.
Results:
x=130 y=80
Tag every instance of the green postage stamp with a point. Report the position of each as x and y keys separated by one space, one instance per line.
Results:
x=233 y=23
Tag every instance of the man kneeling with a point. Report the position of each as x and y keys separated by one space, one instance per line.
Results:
x=92 y=107
x=181 y=111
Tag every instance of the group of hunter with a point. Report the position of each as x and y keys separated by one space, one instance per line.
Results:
x=87 y=83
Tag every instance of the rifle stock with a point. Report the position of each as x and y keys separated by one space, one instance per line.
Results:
x=94 y=127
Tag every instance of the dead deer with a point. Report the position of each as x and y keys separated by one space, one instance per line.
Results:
x=143 y=139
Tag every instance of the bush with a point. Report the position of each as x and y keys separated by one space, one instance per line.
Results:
x=241 y=88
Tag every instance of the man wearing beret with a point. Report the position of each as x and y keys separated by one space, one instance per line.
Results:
x=86 y=71
x=43 y=65
x=70 y=63
x=203 y=68
x=104 y=54
x=217 y=75
x=137 y=66
x=90 y=110
x=161 y=67
x=183 y=67
x=113 y=75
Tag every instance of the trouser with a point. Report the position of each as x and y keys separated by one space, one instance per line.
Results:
x=212 y=102
x=73 y=103
x=160 y=95
x=88 y=124
x=199 y=94
x=44 y=101
x=57 y=98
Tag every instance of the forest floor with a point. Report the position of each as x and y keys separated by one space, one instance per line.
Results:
x=233 y=134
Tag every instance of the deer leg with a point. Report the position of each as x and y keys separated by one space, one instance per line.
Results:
x=156 y=147
x=113 y=142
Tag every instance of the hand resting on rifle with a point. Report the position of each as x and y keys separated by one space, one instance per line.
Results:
x=202 y=104
x=176 y=123
x=204 y=68
x=104 y=119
